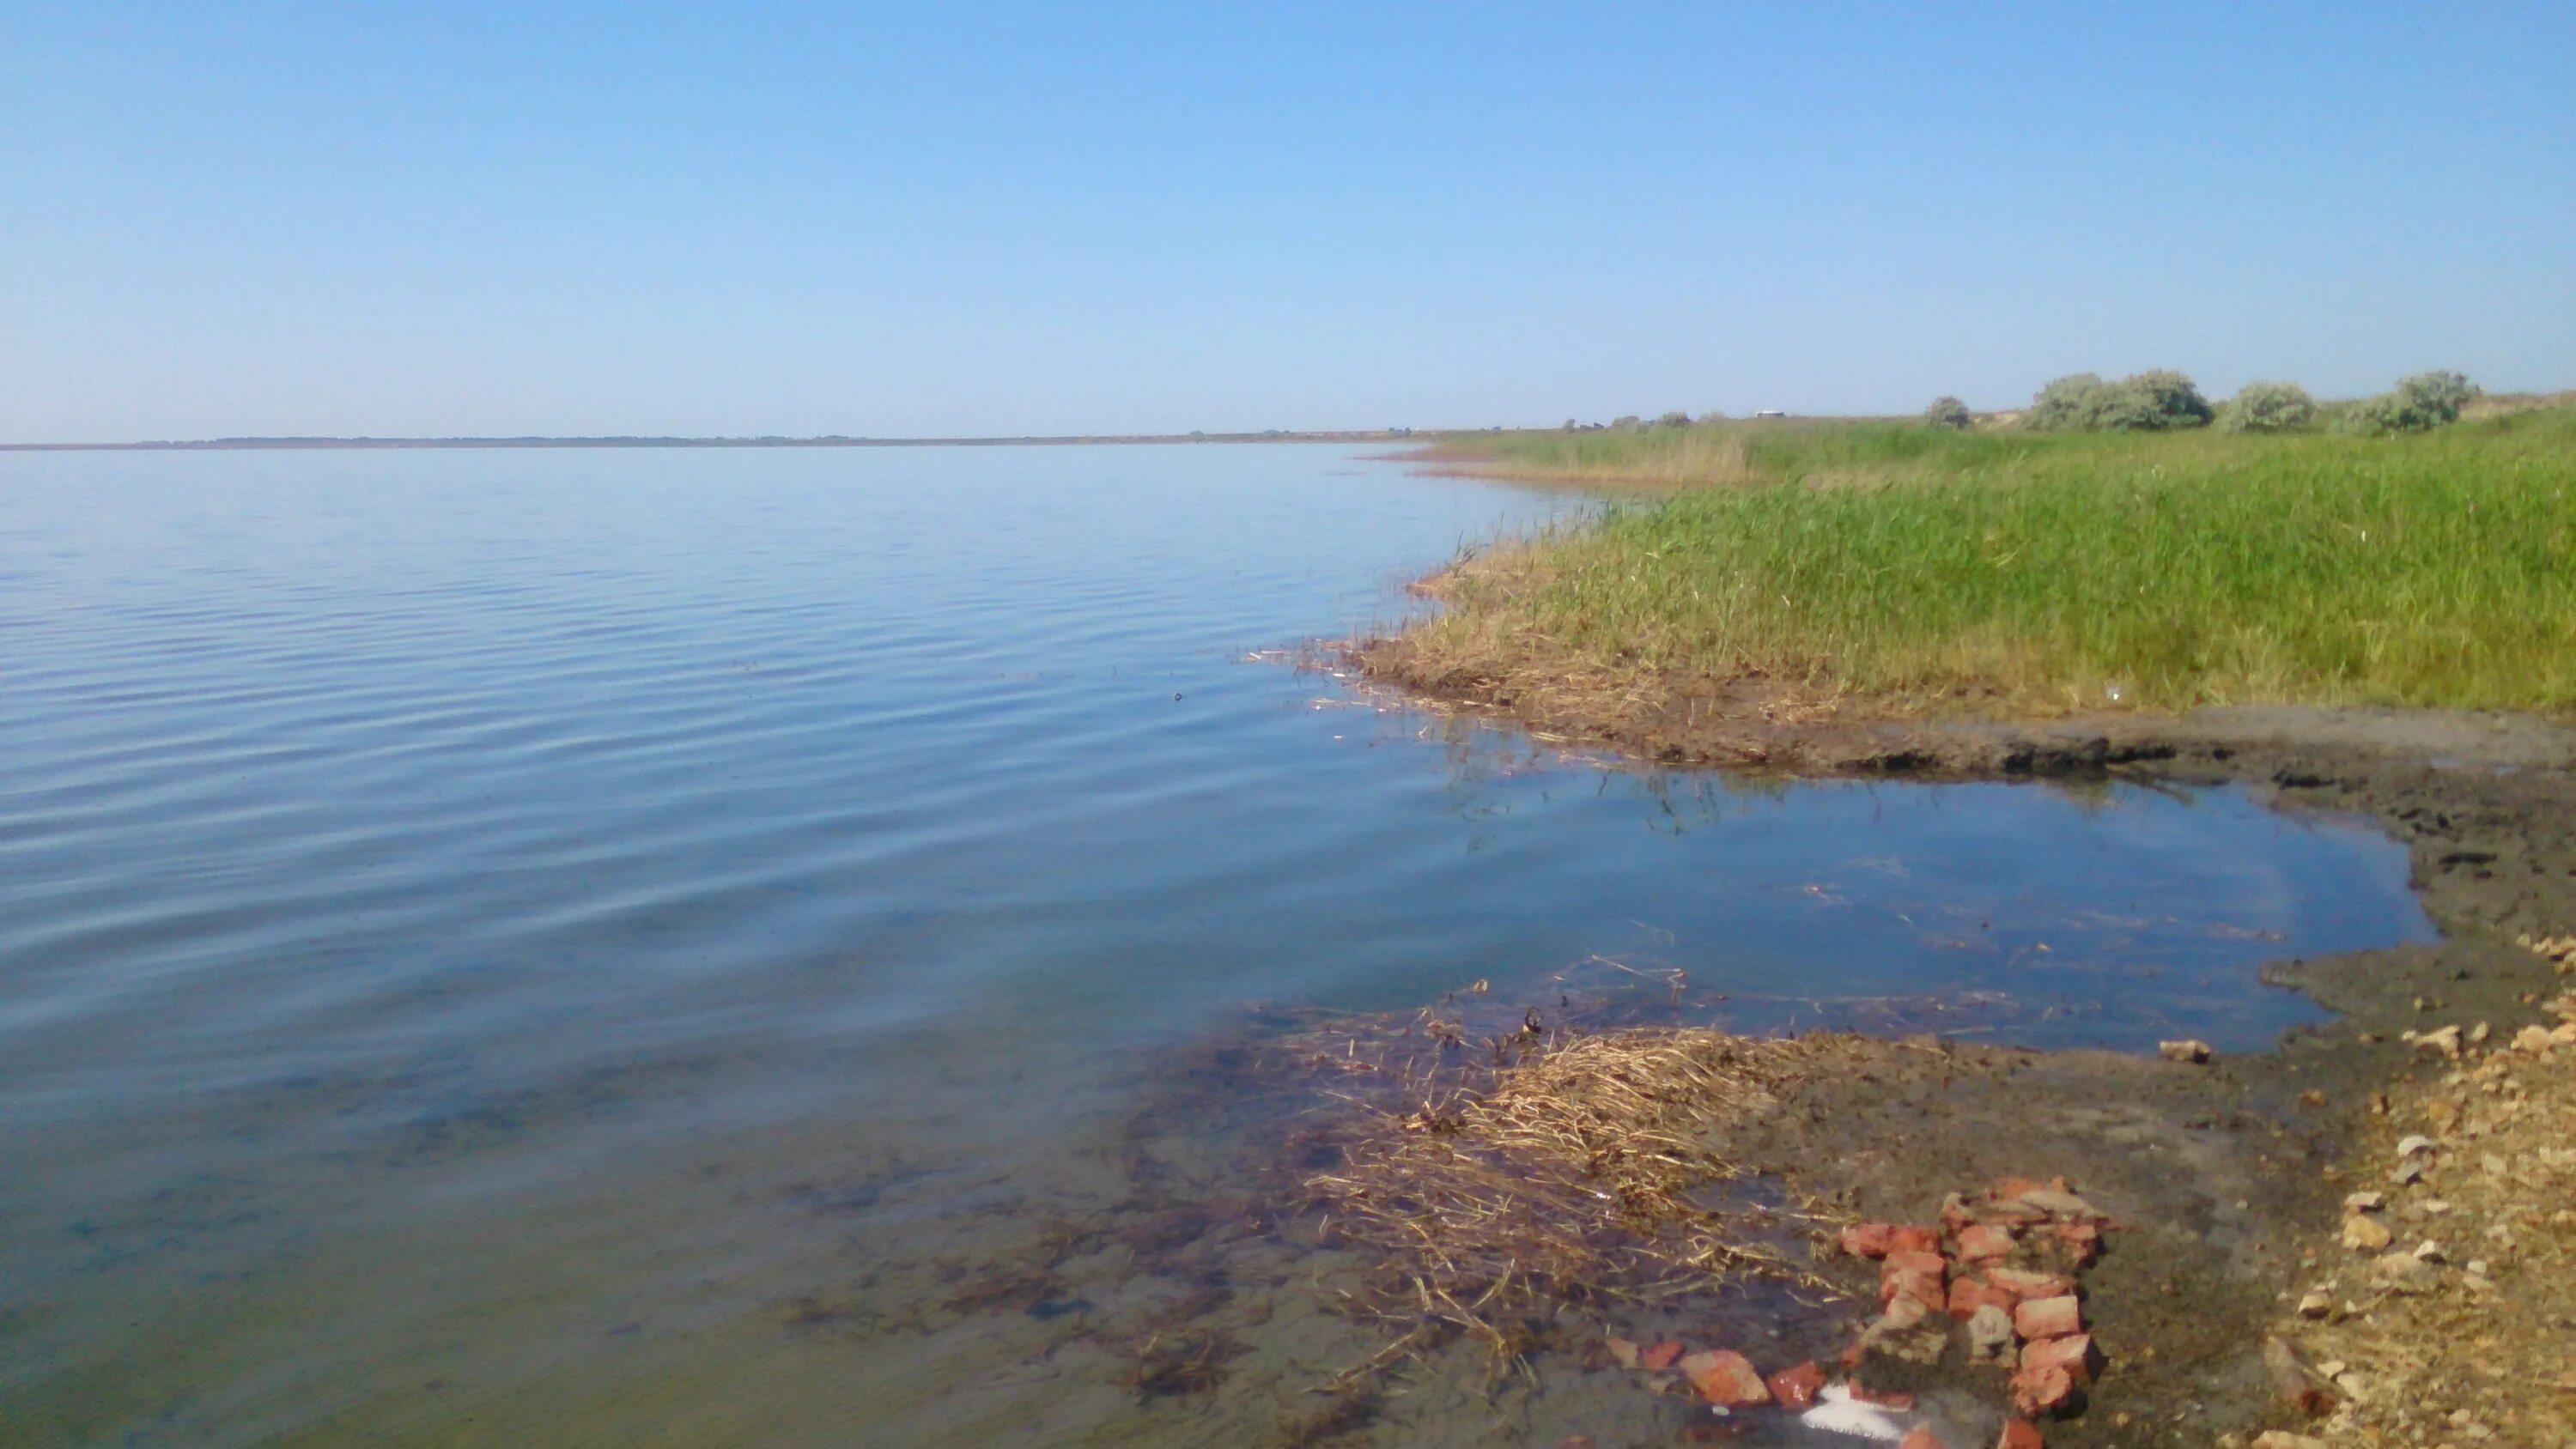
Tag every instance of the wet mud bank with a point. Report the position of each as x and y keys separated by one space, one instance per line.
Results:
x=2227 y=1178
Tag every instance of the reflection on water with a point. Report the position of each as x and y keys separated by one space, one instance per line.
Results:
x=695 y=947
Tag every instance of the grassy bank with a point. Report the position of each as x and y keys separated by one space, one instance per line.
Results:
x=1893 y=568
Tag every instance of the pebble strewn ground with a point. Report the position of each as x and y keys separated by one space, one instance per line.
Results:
x=2448 y=1316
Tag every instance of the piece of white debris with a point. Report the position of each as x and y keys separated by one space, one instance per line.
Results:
x=1837 y=1412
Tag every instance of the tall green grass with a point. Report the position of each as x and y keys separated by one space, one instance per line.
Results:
x=1920 y=565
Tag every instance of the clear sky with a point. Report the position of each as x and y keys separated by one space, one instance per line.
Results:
x=743 y=219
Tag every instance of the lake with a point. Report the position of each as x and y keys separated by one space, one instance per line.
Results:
x=509 y=947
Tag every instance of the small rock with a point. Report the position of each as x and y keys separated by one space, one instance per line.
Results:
x=1661 y=1356
x=2479 y=1033
x=1920 y=1437
x=2445 y=1040
x=2403 y=1273
x=1990 y=1334
x=2429 y=1251
x=2022 y=1283
x=1901 y=1314
x=2292 y=1379
x=1896 y=1399
x=2193 y=1052
x=1980 y=1242
x=2041 y=1390
x=2083 y=1240
x=1623 y=1352
x=2049 y=1317
x=2414 y=1144
x=1796 y=1388
x=2364 y=1235
x=2284 y=1439
x=2073 y=1353
x=1867 y=1240
x=2408 y=1173
x=1917 y=1276
x=2532 y=1040
x=1725 y=1378
x=2316 y=1305
x=1967 y=1295
x=2058 y=1203
x=2364 y=1202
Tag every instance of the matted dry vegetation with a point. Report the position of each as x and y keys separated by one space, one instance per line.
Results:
x=1489 y=1180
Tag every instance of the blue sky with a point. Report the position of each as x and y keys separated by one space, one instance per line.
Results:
x=514 y=218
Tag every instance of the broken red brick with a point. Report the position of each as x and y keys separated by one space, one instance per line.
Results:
x=2049 y=1317
x=2073 y=1353
x=2021 y=1283
x=2008 y=1188
x=1967 y=1295
x=2020 y=1434
x=1896 y=1399
x=2084 y=1239
x=1867 y=1240
x=1797 y=1387
x=1913 y=1240
x=1979 y=1242
x=1660 y=1356
x=2037 y=1391
x=1726 y=1378
x=1920 y=1437
x=1903 y=1313
x=1912 y=1284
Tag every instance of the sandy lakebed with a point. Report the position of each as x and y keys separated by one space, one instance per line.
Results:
x=2237 y=1302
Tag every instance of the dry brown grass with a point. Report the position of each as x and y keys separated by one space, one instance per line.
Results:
x=1488 y=1181
x=1696 y=457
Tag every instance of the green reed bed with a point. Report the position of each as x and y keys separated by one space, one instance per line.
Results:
x=1923 y=569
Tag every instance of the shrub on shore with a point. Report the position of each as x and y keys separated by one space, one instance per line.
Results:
x=1948 y=412
x=2268 y=407
x=2140 y=403
x=2418 y=404
x=2066 y=405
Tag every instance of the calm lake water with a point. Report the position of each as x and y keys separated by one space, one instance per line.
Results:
x=530 y=947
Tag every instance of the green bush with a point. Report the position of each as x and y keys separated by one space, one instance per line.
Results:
x=2419 y=404
x=2143 y=402
x=2268 y=407
x=2152 y=402
x=2066 y=405
x=1674 y=419
x=1948 y=412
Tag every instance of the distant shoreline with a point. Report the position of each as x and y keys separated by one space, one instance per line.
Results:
x=1376 y=435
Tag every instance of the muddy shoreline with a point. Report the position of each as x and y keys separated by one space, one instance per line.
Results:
x=2227 y=1175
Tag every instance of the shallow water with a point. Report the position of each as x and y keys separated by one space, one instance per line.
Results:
x=509 y=947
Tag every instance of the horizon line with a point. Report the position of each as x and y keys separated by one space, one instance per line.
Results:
x=824 y=440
